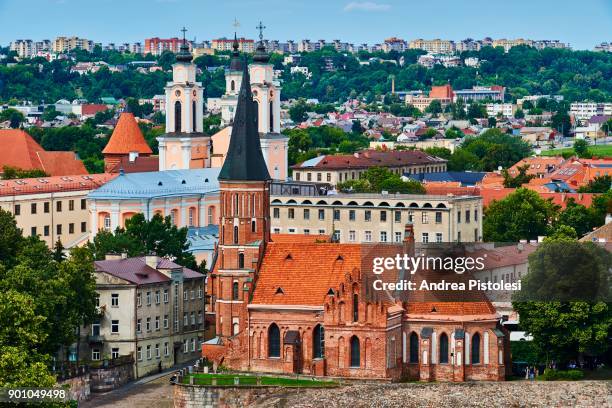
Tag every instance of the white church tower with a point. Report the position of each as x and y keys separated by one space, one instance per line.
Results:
x=184 y=146
x=233 y=79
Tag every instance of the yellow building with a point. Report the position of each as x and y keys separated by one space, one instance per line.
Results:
x=67 y=44
x=436 y=46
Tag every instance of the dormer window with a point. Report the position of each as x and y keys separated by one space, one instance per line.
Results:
x=279 y=291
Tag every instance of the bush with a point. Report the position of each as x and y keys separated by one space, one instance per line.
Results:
x=554 y=375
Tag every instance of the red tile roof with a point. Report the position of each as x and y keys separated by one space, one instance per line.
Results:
x=299 y=238
x=141 y=164
x=53 y=184
x=127 y=137
x=20 y=150
x=91 y=109
x=369 y=158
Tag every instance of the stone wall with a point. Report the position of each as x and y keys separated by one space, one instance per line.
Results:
x=107 y=379
x=189 y=396
x=79 y=387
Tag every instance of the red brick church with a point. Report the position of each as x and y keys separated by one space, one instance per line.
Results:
x=296 y=305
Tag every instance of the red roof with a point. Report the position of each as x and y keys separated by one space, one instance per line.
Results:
x=127 y=137
x=136 y=270
x=141 y=164
x=20 y=150
x=299 y=238
x=369 y=158
x=53 y=184
x=92 y=108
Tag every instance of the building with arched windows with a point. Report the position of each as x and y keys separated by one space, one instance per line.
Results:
x=301 y=306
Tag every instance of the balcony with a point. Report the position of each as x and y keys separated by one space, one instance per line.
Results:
x=95 y=338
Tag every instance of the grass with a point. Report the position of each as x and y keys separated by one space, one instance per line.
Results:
x=251 y=380
x=596 y=150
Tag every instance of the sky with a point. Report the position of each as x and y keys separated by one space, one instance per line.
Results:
x=582 y=23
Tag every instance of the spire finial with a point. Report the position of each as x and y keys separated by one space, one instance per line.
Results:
x=184 y=55
x=184 y=30
x=260 y=27
x=260 y=53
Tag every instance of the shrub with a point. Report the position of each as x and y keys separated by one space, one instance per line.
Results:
x=571 y=375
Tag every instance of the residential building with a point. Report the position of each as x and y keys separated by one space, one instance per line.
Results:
x=302 y=306
x=226 y=44
x=156 y=45
x=374 y=218
x=538 y=166
x=136 y=48
x=480 y=93
x=334 y=169
x=29 y=48
x=507 y=44
x=21 y=151
x=394 y=44
x=586 y=110
x=443 y=93
x=52 y=208
x=604 y=47
x=149 y=308
x=436 y=46
x=66 y=44
x=505 y=110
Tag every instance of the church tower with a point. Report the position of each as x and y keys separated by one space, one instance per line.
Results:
x=184 y=146
x=233 y=80
x=245 y=217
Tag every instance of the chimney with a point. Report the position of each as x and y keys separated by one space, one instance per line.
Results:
x=112 y=257
x=151 y=260
x=124 y=255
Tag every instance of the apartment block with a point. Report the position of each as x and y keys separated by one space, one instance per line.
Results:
x=66 y=44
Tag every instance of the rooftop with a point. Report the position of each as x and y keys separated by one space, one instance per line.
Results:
x=127 y=137
x=41 y=185
x=137 y=271
x=369 y=158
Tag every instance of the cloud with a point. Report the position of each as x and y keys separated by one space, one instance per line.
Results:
x=366 y=6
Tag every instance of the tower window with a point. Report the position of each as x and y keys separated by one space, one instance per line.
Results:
x=235 y=234
x=194 y=116
x=355 y=307
x=355 y=352
x=177 y=116
x=240 y=260
x=271 y=116
x=235 y=291
x=232 y=85
x=318 y=342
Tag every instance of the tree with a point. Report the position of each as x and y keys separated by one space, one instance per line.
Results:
x=581 y=148
x=297 y=112
x=356 y=127
x=581 y=219
x=10 y=173
x=15 y=117
x=521 y=215
x=50 y=113
x=599 y=184
x=453 y=133
x=519 y=114
x=377 y=179
x=58 y=251
x=435 y=107
x=141 y=237
x=563 y=301
x=521 y=178
x=492 y=122
x=476 y=111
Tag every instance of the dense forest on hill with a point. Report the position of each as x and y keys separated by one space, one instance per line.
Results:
x=577 y=75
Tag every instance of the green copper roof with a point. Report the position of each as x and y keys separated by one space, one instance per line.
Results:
x=245 y=161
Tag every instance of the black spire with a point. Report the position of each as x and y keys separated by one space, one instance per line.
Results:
x=236 y=62
x=244 y=160
x=261 y=56
x=184 y=55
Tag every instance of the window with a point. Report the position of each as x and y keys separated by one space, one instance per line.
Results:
x=235 y=291
x=185 y=295
x=383 y=216
x=114 y=326
x=157 y=320
x=309 y=176
x=138 y=299
x=95 y=354
x=383 y=236
x=193 y=344
x=476 y=215
x=297 y=176
x=33 y=208
x=157 y=350
x=17 y=209
x=115 y=352
x=355 y=307
x=306 y=231
x=193 y=318
x=46 y=229
x=71 y=228
x=33 y=231
x=185 y=346
x=351 y=215
x=458 y=236
x=253 y=226
x=438 y=217
x=367 y=215
x=114 y=299
x=425 y=237
x=328 y=176
x=166 y=349
x=425 y=218
x=276 y=213
x=148 y=324
x=459 y=217
x=107 y=222
x=84 y=226
x=318 y=342
x=398 y=237
x=165 y=295
x=336 y=236
x=58 y=229
x=411 y=216
x=83 y=204
x=177 y=116
x=291 y=213
x=240 y=264
x=139 y=353
x=149 y=352
x=368 y=236
x=467 y=216
x=165 y=321
x=475 y=234
x=351 y=236
x=319 y=177
x=235 y=234
x=443 y=349
x=148 y=298
x=138 y=325
x=336 y=215
x=273 y=341
x=306 y=214
x=46 y=207
x=321 y=214
x=191 y=213
x=476 y=349
x=397 y=216
x=321 y=232
x=438 y=237
x=200 y=321
x=70 y=205
x=58 y=206
x=185 y=319
x=355 y=351
x=210 y=214
x=414 y=348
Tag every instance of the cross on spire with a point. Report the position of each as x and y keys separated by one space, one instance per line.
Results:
x=236 y=23
x=260 y=27
x=184 y=30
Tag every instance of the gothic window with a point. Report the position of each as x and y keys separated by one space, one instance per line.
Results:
x=318 y=342
x=476 y=349
x=443 y=349
x=194 y=116
x=414 y=348
x=235 y=291
x=355 y=307
x=355 y=351
x=235 y=234
x=273 y=341
x=271 y=116
x=177 y=116
x=253 y=226
x=232 y=85
x=240 y=260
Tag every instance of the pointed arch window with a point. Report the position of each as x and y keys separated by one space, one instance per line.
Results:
x=414 y=348
x=241 y=260
x=443 y=349
x=355 y=307
x=355 y=352
x=177 y=116
x=273 y=341
x=318 y=342
x=271 y=116
x=194 y=117
x=235 y=290
x=476 y=349
x=232 y=85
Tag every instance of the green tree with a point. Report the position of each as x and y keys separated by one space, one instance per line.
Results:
x=599 y=184
x=10 y=173
x=581 y=148
x=435 y=107
x=377 y=179
x=519 y=114
x=15 y=117
x=521 y=178
x=578 y=217
x=521 y=215
x=297 y=112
